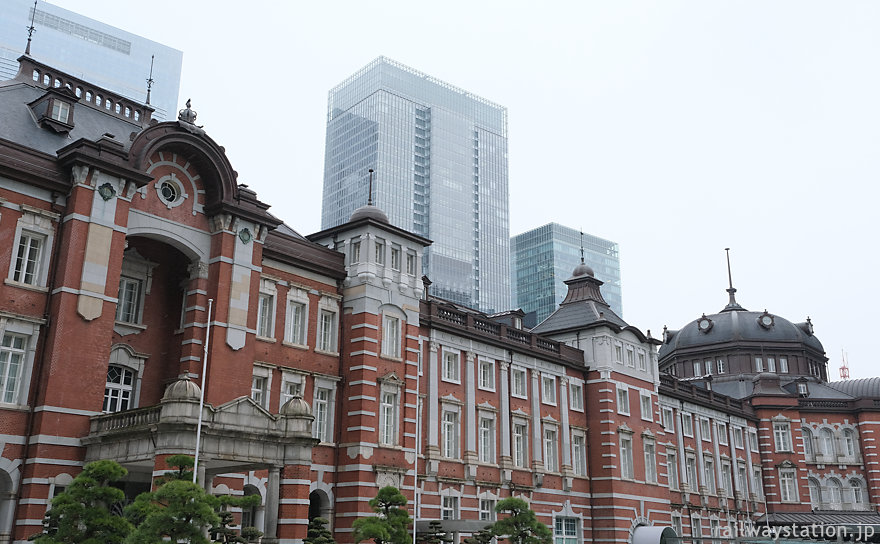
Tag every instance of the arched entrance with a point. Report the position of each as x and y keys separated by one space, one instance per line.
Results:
x=252 y=516
x=319 y=506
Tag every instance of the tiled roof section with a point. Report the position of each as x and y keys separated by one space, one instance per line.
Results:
x=861 y=388
x=821 y=517
x=286 y=245
x=578 y=314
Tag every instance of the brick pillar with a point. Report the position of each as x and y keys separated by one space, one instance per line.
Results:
x=293 y=503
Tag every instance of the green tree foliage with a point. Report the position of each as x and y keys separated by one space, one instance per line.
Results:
x=179 y=510
x=483 y=536
x=81 y=514
x=521 y=526
x=319 y=533
x=390 y=524
x=224 y=533
x=183 y=469
x=434 y=534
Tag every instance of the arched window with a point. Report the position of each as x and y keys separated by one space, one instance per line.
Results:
x=826 y=442
x=834 y=494
x=858 y=494
x=118 y=390
x=849 y=443
x=249 y=514
x=98 y=100
x=815 y=497
x=808 y=443
x=36 y=75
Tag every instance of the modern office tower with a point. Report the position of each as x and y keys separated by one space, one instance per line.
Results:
x=88 y=49
x=439 y=156
x=543 y=258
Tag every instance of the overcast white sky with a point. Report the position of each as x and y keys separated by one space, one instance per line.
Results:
x=674 y=128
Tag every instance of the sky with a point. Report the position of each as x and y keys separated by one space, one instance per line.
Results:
x=674 y=128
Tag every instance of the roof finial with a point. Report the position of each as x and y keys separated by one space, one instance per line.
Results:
x=582 y=246
x=370 y=197
x=150 y=79
x=732 y=304
x=31 y=30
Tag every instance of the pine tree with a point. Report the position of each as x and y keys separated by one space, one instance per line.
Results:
x=521 y=526
x=390 y=524
x=318 y=532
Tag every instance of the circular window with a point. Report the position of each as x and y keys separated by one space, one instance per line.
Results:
x=170 y=191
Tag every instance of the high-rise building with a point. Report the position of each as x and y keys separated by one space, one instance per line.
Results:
x=440 y=159
x=88 y=49
x=542 y=259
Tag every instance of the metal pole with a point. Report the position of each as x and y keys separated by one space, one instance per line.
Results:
x=202 y=395
x=416 y=448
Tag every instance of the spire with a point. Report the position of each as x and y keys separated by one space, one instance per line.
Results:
x=370 y=195
x=150 y=79
x=732 y=305
x=31 y=30
x=582 y=247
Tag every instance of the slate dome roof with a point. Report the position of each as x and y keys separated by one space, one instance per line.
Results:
x=736 y=324
x=861 y=388
x=369 y=212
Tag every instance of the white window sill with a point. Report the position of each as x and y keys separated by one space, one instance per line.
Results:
x=124 y=329
x=334 y=353
x=295 y=345
x=28 y=286
x=266 y=339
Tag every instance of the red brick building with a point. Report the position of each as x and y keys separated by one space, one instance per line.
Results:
x=134 y=258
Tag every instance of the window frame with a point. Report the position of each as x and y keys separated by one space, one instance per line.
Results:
x=514 y=382
x=788 y=494
x=721 y=432
x=687 y=424
x=782 y=441
x=520 y=443
x=121 y=388
x=649 y=448
x=392 y=336
x=575 y=395
x=267 y=307
x=486 y=374
x=38 y=225
x=327 y=337
x=672 y=480
x=296 y=332
x=388 y=410
x=579 y=452
x=627 y=468
x=486 y=437
x=668 y=422
x=451 y=366
x=646 y=408
x=566 y=530
x=550 y=436
x=450 y=428
x=622 y=393
x=449 y=507
x=548 y=395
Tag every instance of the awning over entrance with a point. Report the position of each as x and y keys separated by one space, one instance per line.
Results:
x=654 y=535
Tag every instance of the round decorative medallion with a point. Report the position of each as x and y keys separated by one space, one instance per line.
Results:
x=704 y=324
x=245 y=235
x=765 y=320
x=106 y=191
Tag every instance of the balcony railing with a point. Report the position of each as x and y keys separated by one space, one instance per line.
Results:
x=139 y=417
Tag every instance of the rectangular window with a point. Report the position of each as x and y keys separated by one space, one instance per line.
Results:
x=708 y=366
x=451 y=366
x=753 y=440
x=782 y=436
x=388 y=418
x=449 y=508
x=60 y=110
x=646 y=407
x=696 y=527
x=771 y=364
x=391 y=337
x=787 y=485
x=705 y=429
x=738 y=437
x=672 y=470
x=295 y=332
x=26 y=265
x=759 y=364
x=355 y=252
x=518 y=382
x=697 y=371
x=691 y=465
x=721 y=431
x=548 y=390
x=380 y=252
x=677 y=525
x=579 y=454
x=668 y=420
x=265 y=315
x=643 y=365
x=128 y=307
x=290 y=389
x=411 y=264
x=618 y=353
x=576 y=396
x=630 y=358
x=721 y=368
x=259 y=392
x=565 y=531
x=327 y=331
x=741 y=480
x=709 y=474
x=650 y=463
x=487 y=440
x=321 y=411
x=520 y=444
x=687 y=424
x=622 y=400
x=726 y=481
x=487 y=374
x=626 y=458
x=783 y=365
x=395 y=258
x=450 y=434
x=757 y=479
x=487 y=510
x=12 y=356
x=551 y=455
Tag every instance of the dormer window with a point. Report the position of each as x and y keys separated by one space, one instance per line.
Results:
x=803 y=390
x=60 y=111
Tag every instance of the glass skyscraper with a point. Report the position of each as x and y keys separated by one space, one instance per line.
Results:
x=440 y=160
x=543 y=258
x=111 y=58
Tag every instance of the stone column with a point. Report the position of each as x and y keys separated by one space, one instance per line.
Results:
x=682 y=458
x=538 y=445
x=504 y=417
x=272 y=494
x=566 y=431
x=470 y=406
x=431 y=376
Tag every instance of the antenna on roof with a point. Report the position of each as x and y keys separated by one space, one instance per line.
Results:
x=31 y=30
x=582 y=246
x=844 y=366
x=370 y=197
x=732 y=304
x=150 y=79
